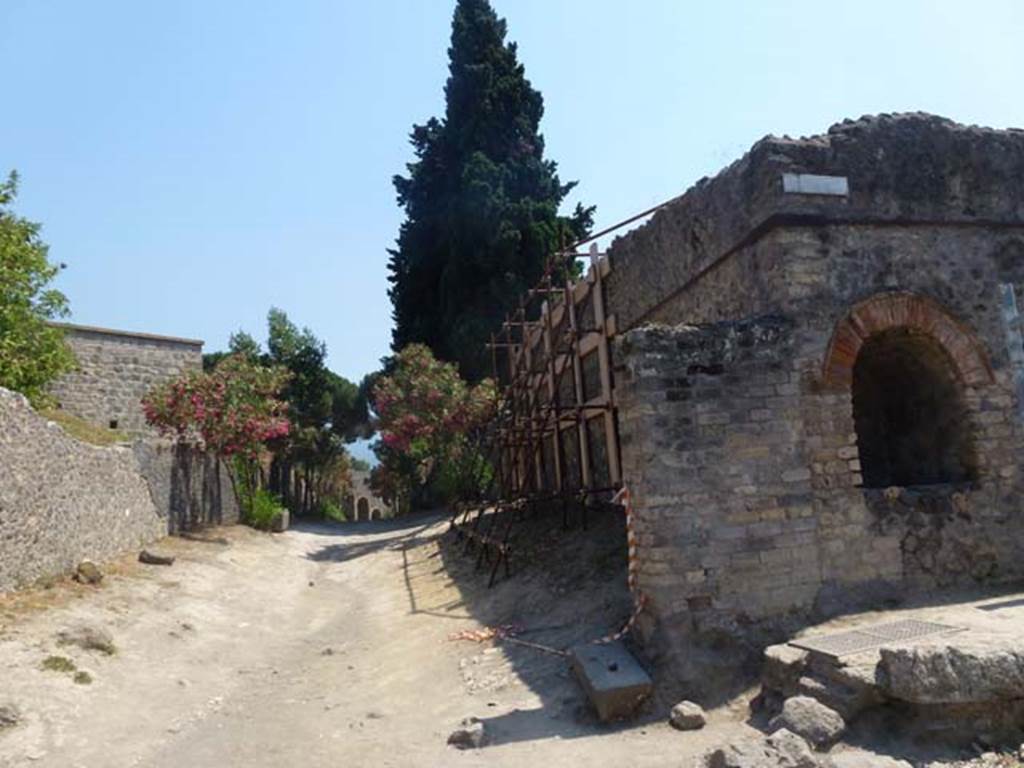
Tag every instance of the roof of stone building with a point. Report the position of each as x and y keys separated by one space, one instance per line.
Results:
x=74 y=327
x=889 y=168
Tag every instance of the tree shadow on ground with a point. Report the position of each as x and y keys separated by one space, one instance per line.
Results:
x=353 y=544
x=567 y=586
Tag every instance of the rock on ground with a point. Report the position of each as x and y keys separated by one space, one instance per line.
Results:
x=149 y=558
x=792 y=751
x=784 y=752
x=89 y=637
x=810 y=719
x=469 y=735
x=9 y=716
x=863 y=760
x=88 y=573
x=687 y=716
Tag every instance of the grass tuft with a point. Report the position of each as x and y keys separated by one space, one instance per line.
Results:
x=58 y=664
x=80 y=429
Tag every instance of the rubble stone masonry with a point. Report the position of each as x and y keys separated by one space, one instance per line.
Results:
x=115 y=369
x=773 y=342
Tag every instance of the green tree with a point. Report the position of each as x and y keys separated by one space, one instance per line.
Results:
x=481 y=201
x=32 y=352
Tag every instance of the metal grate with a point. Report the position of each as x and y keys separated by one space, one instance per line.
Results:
x=868 y=638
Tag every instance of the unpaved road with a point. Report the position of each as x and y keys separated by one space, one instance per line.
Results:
x=325 y=646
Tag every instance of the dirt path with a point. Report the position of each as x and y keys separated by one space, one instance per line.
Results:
x=325 y=646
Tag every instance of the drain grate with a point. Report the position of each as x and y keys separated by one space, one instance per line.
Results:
x=868 y=638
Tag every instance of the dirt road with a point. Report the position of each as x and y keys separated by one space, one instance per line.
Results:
x=325 y=646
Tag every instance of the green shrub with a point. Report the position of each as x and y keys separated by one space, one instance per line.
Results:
x=261 y=509
x=329 y=509
x=58 y=664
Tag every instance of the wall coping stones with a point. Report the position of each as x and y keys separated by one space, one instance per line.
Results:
x=901 y=169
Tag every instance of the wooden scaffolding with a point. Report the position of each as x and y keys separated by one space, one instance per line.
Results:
x=555 y=439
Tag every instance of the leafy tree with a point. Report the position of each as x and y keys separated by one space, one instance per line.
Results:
x=427 y=416
x=32 y=352
x=240 y=343
x=481 y=201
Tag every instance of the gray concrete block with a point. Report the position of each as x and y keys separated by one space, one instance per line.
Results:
x=614 y=681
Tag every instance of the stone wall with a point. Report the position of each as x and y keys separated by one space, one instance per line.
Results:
x=738 y=432
x=62 y=501
x=362 y=503
x=189 y=487
x=115 y=369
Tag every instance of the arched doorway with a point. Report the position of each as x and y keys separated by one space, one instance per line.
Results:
x=362 y=509
x=375 y=514
x=909 y=414
x=907 y=364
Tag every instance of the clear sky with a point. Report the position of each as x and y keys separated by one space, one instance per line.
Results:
x=195 y=162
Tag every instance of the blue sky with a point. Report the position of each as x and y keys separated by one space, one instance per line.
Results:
x=195 y=163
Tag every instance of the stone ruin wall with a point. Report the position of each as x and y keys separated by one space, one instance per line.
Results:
x=742 y=456
x=361 y=502
x=115 y=370
x=62 y=501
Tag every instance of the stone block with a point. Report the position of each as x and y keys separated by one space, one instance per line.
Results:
x=613 y=680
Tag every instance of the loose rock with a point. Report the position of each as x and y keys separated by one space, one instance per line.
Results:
x=88 y=637
x=10 y=716
x=147 y=557
x=863 y=760
x=469 y=735
x=687 y=716
x=88 y=573
x=793 y=751
x=810 y=719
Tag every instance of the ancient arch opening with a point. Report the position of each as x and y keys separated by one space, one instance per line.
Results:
x=362 y=509
x=375 y=514
x=912 y=424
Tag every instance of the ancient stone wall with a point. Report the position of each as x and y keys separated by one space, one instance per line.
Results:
x=189 y=487
x=739 y=428
x=62 y=501
x=897 y=170
x=362 y=503
x=115 y=369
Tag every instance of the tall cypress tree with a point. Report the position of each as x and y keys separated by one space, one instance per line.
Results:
x=481 y=202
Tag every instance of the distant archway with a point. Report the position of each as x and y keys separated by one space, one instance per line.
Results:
x=375 y=514
x=362 y=508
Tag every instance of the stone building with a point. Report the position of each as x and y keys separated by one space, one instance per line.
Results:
x=362 y=502
x=820 y=377
x=115 y=369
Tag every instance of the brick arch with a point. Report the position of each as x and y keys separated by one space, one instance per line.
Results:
x=904 y=310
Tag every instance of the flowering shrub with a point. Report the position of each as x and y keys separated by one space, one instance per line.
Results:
x=234 y=409
x=427 y=417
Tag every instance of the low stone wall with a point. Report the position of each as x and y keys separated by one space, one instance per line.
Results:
x=63 y=501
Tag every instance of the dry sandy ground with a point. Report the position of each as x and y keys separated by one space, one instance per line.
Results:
x=325 y=646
